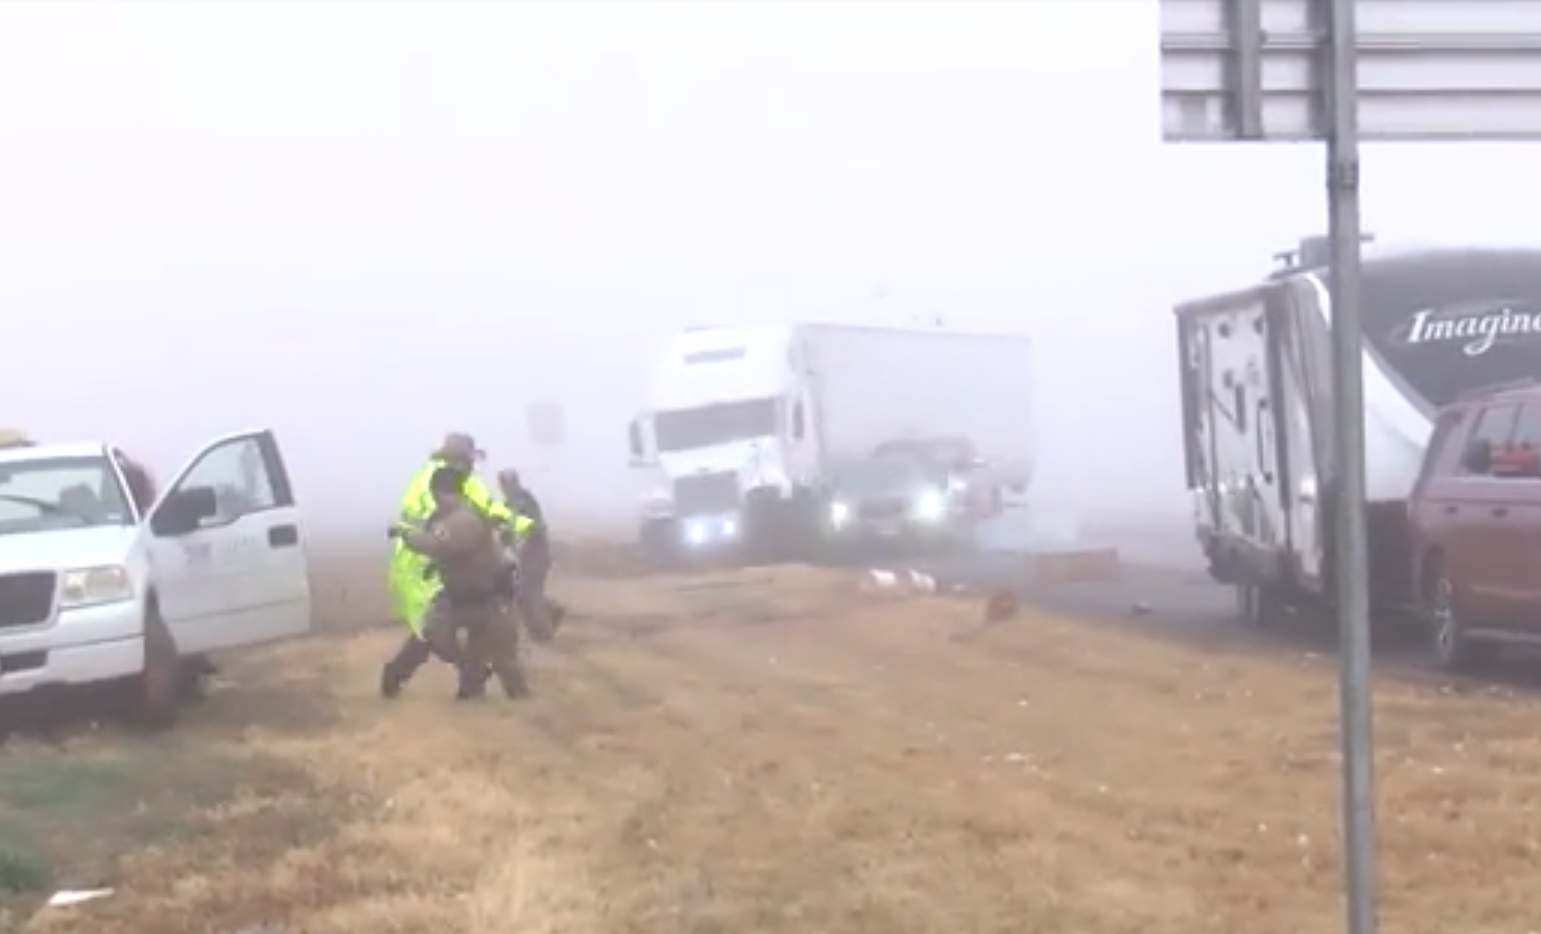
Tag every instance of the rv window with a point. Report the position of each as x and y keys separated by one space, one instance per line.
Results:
x=707 y=426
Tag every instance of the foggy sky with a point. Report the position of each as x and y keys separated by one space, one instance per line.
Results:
x=365 y=223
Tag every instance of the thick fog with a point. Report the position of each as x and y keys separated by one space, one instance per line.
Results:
x=366 y=223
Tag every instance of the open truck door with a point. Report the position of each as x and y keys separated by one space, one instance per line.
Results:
x=227 y=549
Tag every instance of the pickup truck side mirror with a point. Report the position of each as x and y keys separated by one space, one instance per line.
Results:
x=1478 y=458
x=184 y=510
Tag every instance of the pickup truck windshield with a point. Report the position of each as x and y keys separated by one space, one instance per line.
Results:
x=878 y=475
x=47 y=494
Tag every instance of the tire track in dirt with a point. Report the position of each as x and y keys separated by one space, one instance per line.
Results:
x=727 y=752
x=871 y=733
x=881 y=670
x=780 y=754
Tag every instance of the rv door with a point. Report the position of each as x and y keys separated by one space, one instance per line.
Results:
x=1229 y=394
x=226 y=549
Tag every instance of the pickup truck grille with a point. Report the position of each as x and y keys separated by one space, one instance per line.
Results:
x=26 y=599
x=707 y=493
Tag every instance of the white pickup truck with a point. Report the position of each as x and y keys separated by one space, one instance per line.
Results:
x=98 y=585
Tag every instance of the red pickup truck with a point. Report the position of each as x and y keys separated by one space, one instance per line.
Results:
x=1475 y=523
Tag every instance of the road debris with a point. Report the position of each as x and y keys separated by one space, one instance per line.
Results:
x=64 y=898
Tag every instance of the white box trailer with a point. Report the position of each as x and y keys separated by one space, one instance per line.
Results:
x=746 y=421
x=1257 y=399
x=875 y=385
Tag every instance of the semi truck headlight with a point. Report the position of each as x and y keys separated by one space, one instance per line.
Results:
x=930 y=505
x=700 y=532
x=108 y=583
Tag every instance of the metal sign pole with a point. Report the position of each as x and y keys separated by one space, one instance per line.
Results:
x=1387 y=70
x=1352 y=566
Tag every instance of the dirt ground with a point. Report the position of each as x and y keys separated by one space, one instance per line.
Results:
x=773 y=751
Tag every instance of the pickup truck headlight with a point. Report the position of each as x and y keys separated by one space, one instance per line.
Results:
x=839 y=512
x=930 y=506
x=108 y=583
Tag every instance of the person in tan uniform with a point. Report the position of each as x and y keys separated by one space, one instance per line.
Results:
x=466 y=550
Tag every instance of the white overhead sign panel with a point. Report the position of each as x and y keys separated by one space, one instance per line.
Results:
x=1234 y=70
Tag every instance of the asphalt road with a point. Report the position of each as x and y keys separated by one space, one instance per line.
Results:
x=1162 y=587
x=1161 y=578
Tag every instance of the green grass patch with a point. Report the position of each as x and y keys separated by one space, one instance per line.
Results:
x=68 y=814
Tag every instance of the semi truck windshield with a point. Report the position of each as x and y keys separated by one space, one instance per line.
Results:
x=688 y=429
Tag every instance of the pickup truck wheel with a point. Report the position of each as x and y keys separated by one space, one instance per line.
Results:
x=160 y=685
x=196 y=676
x=1451 y=649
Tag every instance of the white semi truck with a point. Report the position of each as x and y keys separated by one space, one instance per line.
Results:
x=742 y=424
x=1257 y=402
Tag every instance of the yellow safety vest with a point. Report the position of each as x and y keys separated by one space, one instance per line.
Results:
x=417 y=504
x=521 y=524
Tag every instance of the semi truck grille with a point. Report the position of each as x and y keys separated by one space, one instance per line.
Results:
x=706 y=493
x=26 y=599
x=882 y=509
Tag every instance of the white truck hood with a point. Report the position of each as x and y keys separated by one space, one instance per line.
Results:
x=66 y=548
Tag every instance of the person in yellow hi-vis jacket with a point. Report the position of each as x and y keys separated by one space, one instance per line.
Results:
x=411 y=580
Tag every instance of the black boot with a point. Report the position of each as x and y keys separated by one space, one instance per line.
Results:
x=473 y=682
x=515 y=686
x=391 y=681
x=399 y=670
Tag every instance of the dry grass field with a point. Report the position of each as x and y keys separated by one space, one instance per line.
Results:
x=772 y=751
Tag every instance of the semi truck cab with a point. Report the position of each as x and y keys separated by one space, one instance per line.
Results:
x=729 y=438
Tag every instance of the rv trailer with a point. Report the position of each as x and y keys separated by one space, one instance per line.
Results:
x=1257 y=403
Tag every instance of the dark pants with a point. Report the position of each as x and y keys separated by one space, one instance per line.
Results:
x=490 y=647
x=413 y=654
x=542 y=615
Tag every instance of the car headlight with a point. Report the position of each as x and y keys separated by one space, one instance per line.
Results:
x=839 y=513
x=930 y=505
x=81 y=587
